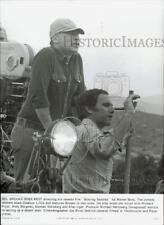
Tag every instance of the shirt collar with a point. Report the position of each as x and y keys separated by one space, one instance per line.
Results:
x=90 y=122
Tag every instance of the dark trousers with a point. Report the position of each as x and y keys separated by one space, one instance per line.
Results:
x=22 y=144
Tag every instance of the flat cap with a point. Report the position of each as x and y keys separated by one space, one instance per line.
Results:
x=64 y=25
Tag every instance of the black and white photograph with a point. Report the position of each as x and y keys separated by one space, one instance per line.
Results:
x=81 y=104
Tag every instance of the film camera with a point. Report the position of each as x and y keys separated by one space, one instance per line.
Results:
x=15 y=72
x=15 y=64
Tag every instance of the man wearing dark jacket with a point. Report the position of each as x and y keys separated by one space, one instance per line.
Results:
x=57 y=79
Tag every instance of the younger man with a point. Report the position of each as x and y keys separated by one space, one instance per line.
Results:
x=90 y=168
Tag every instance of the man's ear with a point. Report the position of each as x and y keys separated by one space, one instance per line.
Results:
x=55 y=39
x=88 y=110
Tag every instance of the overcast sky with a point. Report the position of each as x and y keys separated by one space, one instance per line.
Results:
x=29 y=21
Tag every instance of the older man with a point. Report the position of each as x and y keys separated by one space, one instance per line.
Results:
x=57 y=79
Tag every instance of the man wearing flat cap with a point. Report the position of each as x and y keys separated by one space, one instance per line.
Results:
x=57 y=79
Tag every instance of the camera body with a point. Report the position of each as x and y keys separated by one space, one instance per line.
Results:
x=16 y=59
x=15 y=73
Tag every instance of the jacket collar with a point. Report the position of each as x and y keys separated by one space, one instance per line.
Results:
x=61 y=56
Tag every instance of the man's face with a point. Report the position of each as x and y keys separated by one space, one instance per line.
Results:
x=103 y=111
x=68 y=42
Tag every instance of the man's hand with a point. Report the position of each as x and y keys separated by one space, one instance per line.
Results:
x=130 y=104
x=124 y=123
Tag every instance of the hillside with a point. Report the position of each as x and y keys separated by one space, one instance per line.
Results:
x=146 y=148
x=152 y=108
x=155 y=99
x=148 y=133
x=152 y=104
